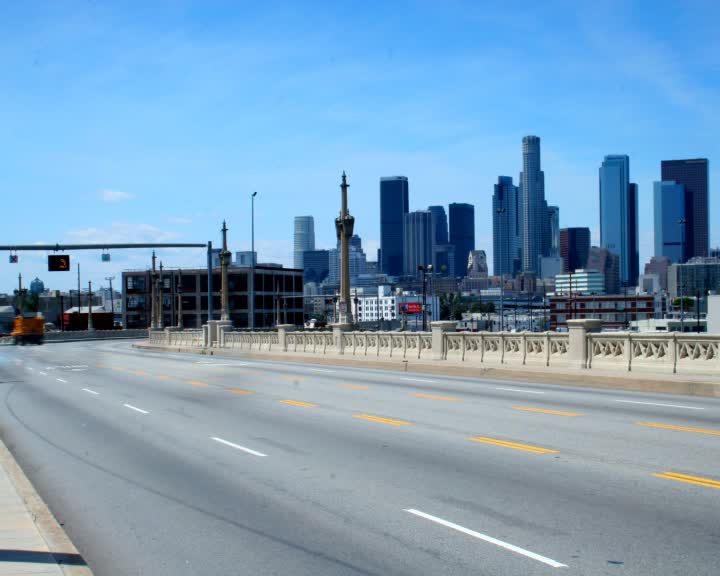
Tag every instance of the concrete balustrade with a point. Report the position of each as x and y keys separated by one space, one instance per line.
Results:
x=584 y=347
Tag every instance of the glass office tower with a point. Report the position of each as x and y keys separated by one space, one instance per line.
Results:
x=393 y=207
x=670 y=221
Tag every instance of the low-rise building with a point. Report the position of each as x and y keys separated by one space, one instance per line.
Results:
x=696 y=275
x=278 y=296
x=580 y=282
x=615 y=310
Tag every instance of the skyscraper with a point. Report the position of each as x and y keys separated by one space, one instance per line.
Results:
x=533 y=210
x=418 y=243
x=462 y=233
x=693 y=174
x=393 y=207
x=618 y=215
x=506 y=227
x=304 y=238
x=574 y=248
x=552 y=244
x=604 y=261
x=440 y=224
x=316 y=265
x=670 y=221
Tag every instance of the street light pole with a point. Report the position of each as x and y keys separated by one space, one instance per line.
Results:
x=112 y=298
x=252 y=261
x=682 y=222
x=90 y=322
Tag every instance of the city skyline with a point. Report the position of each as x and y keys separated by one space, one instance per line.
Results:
x=154 y=134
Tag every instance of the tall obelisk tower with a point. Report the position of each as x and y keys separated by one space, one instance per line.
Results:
x=344 y=226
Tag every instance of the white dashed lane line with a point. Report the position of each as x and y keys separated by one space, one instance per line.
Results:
x=519 y=390
x=419 y=380
x=238 y=447
x=489 y=539
x=97 y=394
x=663 y=405
x=61 y=380
x=136 y=409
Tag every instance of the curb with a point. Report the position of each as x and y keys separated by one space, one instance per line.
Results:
x=58 y=542
x=639 y=382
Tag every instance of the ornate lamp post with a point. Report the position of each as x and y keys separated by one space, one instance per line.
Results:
x=344 y=226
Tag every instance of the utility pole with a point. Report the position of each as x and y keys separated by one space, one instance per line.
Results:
x=682 y=222
x=78 y=274
x=90 y=322
x=224 y=261
x=697 y=311
x=112 y=298
x=159 y=307
x=153 y=303
x=180 y=324
x=251 y=308
x=500 y=211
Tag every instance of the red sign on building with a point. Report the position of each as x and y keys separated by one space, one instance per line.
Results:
x=411 y=308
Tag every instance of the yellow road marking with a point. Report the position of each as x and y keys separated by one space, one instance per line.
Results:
x=293 y=378
x=196 y=383
x=101 y=365
x=382 y=420
x=138 y=372
x=119 y=368
x=544 y=411
x=680 y=428
x=298 y=403
x=707 y=482
x=238 y=391
x=355 y=386
x=163 y=376
x=433 y=397
x=514 y=445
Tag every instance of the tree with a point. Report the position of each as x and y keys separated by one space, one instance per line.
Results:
x=687 y=303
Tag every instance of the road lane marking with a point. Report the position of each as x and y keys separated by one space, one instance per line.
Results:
x=42 y=373
x=488 y=539
x=544 y=411
x=520 y=390
x=299 y=403
x=241 y=392
x=294 y=378
x=321 y=370
x=138 y=372
x=382 y=420
x=77 y=369
x=61 y=380
x=136 y=409
x=707 y=482
x=119 y=368
x=419 y=380
x=100 y=365
x=92 y=392
x=163 y=376
x=197 y=383
x=434 y=397
x=354 y=386
x=663 y=405
x=29 y=368
x=513 y=445
x=238 y=447
x=679 y=428
x=211 y=363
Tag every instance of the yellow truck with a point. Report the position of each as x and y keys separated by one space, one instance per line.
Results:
x=28 y=329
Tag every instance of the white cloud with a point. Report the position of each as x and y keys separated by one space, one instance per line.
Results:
x=121 y=233
x=114 y=196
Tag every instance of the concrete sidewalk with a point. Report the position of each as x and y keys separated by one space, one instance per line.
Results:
x=638 y=381
x=31 y=540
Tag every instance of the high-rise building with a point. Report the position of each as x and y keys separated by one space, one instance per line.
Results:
x=670 y=221
x=316 y=265
x=393 y=207
x=552 y=245
x=693 y=174
x=304 y=238
x=533 y=211
x=607 y=263
x=574 y=248
x=418 y=245
x=619 y=216
x=444 y=260
x=659 y=266
x=462 y=233
x=477 y=264
x=506 y=227
x=440 y=224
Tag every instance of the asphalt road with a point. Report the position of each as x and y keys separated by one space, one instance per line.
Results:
x=169 y=464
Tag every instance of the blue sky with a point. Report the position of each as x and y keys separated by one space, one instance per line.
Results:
x=132 y=121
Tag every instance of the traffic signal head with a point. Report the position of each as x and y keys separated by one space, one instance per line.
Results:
x=59 y=263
